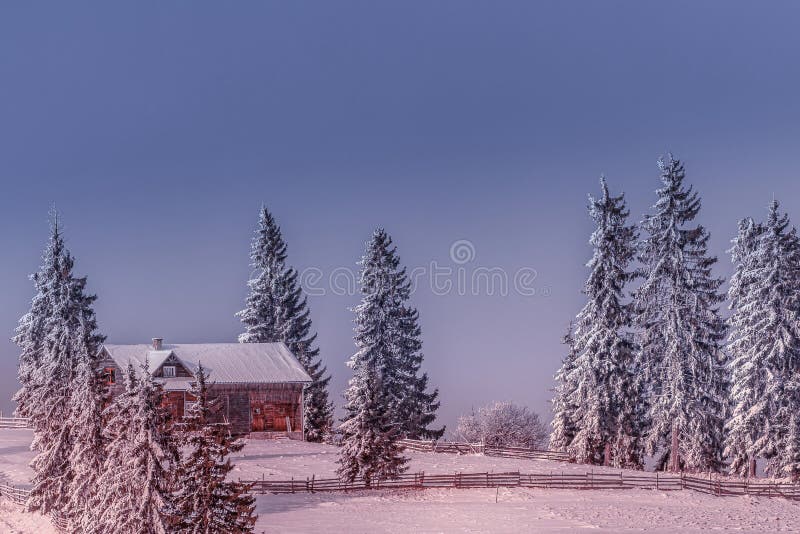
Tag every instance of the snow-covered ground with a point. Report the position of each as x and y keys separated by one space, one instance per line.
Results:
x=15 y=454
x=524 y=510
x=282 y=460
x=14 y=521
x=448 y=510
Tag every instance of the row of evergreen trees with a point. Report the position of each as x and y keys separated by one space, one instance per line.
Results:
x=113 y=466
x=653 y=373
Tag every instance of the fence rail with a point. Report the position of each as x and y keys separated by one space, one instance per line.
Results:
x=579 y=481
x=488 y=450
x=19 y=495
x=13 y=422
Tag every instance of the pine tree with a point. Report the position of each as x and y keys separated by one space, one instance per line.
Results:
x=606 y=393
x=564 y=426
x=790 y=462
x=205 y=501
x=416 y=409
x=370 y=448
x=55 y=336
x=680 y=358
x=277 y=311
x=765 y=344
x=748 y=372
x=370 y=430
x=138 y=474
x=115 y=494
x=86 y=455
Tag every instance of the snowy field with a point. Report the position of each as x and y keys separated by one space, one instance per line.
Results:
x=446 y=510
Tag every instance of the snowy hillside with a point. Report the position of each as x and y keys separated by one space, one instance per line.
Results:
x=449 y=510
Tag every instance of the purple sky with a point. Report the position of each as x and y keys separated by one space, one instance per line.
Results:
x=160 y=128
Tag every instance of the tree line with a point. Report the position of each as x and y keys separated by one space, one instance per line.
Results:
x=122 y=464
x=655 y=369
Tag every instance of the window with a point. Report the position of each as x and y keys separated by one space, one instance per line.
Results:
x=108 y=376
x=169 y=371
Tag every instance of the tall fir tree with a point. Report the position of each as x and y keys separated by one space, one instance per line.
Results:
x=681 y=330
x=564 y=423
x=277 y=311
x=748 y=415
x=114 y=495
x=86 y=454
x=370 y=431
x=765 y=343
x=206 y=502
x=137 y=482
x=57 y=334
x=606 y=394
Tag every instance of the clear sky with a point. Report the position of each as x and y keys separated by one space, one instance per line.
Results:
x=159 y=128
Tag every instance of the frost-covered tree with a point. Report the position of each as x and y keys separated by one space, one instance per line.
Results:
x=683 y=368
x=765 y=343
x=503 y=424
x=277 y=311
x=138 y=473
x=790 y=452
x=86 y=454
x=56 y=335
x=370 y=441
x=748 y=373
x=371 y=429
x=205 y=501
x=563 y=423
x=114 y=495
x=416 y=407
x=606 y=394
x=411 y=407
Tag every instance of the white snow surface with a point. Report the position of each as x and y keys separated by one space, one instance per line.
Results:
x=14 y=521
x=447 y=510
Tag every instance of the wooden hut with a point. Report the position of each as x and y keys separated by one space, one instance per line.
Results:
x=260 y=384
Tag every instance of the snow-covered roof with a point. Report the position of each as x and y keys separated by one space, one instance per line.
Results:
x=225 y=362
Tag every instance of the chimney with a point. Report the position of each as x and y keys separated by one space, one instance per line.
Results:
x=157 y=343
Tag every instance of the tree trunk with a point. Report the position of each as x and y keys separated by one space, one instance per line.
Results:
x=751 y=469
x=675 y=451
x=607 y=455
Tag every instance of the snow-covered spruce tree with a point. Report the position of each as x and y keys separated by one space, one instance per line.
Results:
x=370 y=448
x=606 y=394
x=276 y=310
x=114 y=496
x=765 y=344
x=748 y=419
x=680 y=330
x=207 y=503
x=563 y=399
x=55 y=336
x=790 y=452
x=370 y=430
x=412 y=408
x=416 y=408
x=139 y=471
x=86 y=454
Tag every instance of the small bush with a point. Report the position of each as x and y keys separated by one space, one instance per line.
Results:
x=503 y=424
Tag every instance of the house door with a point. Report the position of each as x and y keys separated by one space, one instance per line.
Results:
x=257 y=414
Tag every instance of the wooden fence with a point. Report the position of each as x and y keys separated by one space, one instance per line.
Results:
x=13 y=422
x=579 y=481
x=488 y=450
x=19 y=495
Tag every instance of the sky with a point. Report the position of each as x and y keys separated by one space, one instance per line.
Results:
x=471 y=131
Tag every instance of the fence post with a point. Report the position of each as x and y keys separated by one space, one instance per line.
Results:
x=657 y=481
